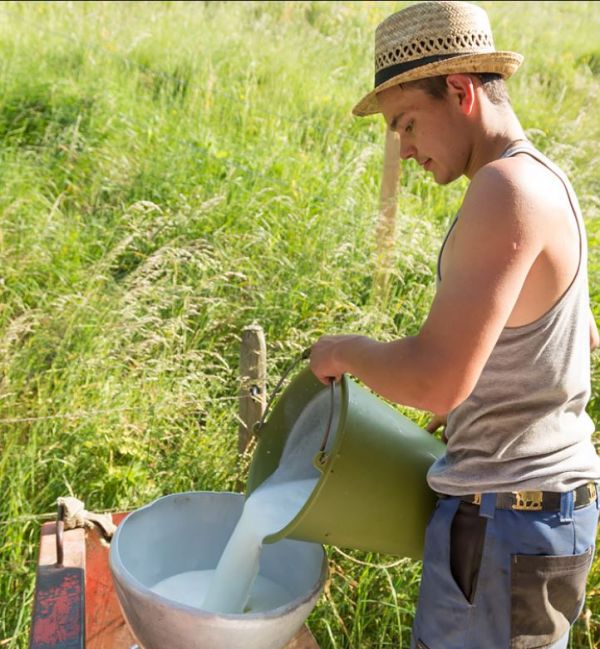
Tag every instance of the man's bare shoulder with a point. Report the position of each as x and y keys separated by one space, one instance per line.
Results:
x=514 y=196
x=497 y=202
x=519 y=183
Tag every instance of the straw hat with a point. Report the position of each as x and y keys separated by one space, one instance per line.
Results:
x=428 y=39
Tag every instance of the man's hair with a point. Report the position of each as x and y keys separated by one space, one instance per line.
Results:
x=493 y=86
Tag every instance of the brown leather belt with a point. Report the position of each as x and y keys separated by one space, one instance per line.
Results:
x=537 y=501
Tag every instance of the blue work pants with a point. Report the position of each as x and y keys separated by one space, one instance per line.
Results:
x=528 y=584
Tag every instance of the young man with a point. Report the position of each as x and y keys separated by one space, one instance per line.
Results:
x=505 y=349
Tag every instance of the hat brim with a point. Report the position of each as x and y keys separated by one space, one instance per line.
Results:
x=502 y=63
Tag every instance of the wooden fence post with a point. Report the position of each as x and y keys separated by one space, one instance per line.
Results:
x=253 y=379
x=388 y=202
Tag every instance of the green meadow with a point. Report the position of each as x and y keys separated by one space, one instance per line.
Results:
x=171 y=172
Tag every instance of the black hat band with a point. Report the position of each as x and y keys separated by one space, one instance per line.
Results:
x=385 y=74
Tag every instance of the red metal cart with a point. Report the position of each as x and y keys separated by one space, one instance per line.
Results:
x=75 y=604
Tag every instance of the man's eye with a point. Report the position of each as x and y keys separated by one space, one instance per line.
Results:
x=409 y=127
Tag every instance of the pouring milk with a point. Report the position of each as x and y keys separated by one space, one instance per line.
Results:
x=235 y=586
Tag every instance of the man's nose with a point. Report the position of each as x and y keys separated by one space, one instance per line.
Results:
x=407 y=150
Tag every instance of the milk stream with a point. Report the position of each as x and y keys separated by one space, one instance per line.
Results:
x=234 y=587
x=267 y=510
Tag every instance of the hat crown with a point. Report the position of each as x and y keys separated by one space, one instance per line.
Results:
x=429 y=29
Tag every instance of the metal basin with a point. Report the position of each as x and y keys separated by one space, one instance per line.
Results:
x=189 y=531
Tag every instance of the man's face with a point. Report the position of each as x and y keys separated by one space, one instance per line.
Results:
x=432 y=131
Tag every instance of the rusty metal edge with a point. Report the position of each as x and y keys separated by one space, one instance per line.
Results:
x=58 y=613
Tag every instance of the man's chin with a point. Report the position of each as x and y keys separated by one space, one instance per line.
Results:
x=444 y=179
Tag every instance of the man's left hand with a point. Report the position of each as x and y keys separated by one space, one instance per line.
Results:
x=327 y=357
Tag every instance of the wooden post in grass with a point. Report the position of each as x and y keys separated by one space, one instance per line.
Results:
x=386 y=225
x=253 y=379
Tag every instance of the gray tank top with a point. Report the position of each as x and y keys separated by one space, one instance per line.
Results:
x=524 y=426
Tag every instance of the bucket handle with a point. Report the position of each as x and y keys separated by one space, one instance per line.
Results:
x=321 y=457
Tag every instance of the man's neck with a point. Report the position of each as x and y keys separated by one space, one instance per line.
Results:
x=498 y=132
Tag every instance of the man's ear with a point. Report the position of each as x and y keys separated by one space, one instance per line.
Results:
x=461 y=88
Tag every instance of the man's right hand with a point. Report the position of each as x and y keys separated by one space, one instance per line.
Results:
x=435 y=423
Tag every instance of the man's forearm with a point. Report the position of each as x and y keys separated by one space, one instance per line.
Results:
x=402 y=371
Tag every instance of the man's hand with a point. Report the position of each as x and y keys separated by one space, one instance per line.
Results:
x=435 y=423
x=327 y=357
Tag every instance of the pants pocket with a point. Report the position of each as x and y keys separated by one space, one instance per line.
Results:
x=467 y=539
x=547 y=593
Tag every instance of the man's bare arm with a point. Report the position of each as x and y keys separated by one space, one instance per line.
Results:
x=495 y=245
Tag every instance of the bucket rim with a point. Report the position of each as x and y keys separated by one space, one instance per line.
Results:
x=127 y=579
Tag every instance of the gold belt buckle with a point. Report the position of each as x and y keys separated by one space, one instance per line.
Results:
x=591 y=487
x=530 y=501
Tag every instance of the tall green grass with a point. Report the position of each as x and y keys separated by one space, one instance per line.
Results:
x=172 y=172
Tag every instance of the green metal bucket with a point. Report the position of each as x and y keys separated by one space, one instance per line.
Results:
x=372 y=493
